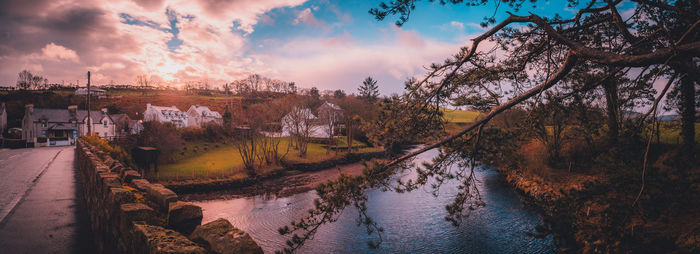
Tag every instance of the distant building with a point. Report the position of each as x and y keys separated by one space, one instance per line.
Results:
x=135 y=126
x=165 y=114
x=200 y=115
x=54 y=127
x=301 y=121
x=125 y=126
x=329 y=112
x=3 y=119
x=94 y=91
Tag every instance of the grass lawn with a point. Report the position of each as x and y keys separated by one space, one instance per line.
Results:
x=671 y=133
x=224 y=160
x=460 y=116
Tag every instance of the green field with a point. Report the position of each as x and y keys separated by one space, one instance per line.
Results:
x=460 y=116
x=224 y=160
x=671 y=133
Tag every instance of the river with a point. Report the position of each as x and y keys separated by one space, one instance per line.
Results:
x=413 y=222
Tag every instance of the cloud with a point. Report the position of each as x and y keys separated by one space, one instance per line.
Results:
x=58 y=52
x=305 y=17
x=342 y=62
x=64 y=39
x=458 y=25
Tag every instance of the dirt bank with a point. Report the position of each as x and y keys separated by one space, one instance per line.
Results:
x=291 y=183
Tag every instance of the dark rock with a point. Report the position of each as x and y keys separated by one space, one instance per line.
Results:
x=132 y=212
x=154 y=239
x=140 y=184
x=222 y=238
x=130 y=175
x=160 y=195
x=184 y=217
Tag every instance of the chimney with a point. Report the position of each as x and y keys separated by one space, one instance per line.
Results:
x=73 y=110
x=148 y=106
x=104 y=111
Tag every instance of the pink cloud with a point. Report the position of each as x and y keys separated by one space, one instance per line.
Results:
x=305 y=17
x=330 y=64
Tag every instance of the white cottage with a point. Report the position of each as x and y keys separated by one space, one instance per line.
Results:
x=200 y=115
x=165 y=114
x=329 y=116
x=94 y=91
x=301 y=121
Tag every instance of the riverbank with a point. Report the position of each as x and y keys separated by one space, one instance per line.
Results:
x=281 y=186
x=294 y=178
x=413 y=222
x=598 y=213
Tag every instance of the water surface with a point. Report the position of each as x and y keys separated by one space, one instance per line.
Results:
x=413 y=222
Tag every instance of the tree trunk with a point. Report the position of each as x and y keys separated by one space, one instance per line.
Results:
x=612 y=110
x=688 y=117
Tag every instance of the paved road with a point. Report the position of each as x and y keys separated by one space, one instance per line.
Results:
x=42 y=207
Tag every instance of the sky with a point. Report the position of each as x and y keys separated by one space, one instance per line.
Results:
x=316 y=43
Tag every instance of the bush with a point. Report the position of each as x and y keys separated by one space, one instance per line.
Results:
x=191 y=133
x=164 y=136
x=115 y=151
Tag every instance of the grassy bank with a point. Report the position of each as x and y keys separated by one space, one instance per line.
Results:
x=206 y=160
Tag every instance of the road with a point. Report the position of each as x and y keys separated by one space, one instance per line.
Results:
x=41 y=207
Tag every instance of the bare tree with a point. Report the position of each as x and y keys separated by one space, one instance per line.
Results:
x=26 y=80
x=299 y=123
x=329 y=115
x=144 y=82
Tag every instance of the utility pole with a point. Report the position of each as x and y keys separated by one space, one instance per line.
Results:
x=89 y=120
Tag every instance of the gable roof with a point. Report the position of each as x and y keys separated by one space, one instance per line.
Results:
x=119 y=117
x=205 y=111
x=167 y=112
x=331 y=105
x=55 y=115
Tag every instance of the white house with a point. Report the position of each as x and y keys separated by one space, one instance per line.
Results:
x=55 y=127
x=301 y=121
x=94 y=91
x=165 y=114
x=200 y=115
x=330 y=116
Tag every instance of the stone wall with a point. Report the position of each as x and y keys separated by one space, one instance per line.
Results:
x=128 y=214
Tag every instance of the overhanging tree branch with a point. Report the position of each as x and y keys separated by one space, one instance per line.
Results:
x=569 y=63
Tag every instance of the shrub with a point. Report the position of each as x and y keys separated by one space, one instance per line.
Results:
x=115 y=151
x=164 y=136
x=191 y=133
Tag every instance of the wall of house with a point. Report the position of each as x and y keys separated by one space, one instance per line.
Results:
x=28 y=129
x=128 y=214
x=100 y=128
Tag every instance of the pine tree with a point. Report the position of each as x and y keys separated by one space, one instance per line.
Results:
x=369 y=90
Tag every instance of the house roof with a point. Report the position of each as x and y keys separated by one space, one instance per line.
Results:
x=305 y=112
x=60 y=126
x=168 y=111
x=54 y=115
x=331 y=105
x=119 y=117
x=92 y=89
x=205 y=111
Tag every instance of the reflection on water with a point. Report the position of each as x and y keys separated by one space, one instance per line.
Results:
x=413 y=222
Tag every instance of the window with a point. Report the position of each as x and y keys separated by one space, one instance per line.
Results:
x=43 y=133
x=43 y=123
x=75 y=123
x=104 y=123
x=75 y=133
x=105 y=134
